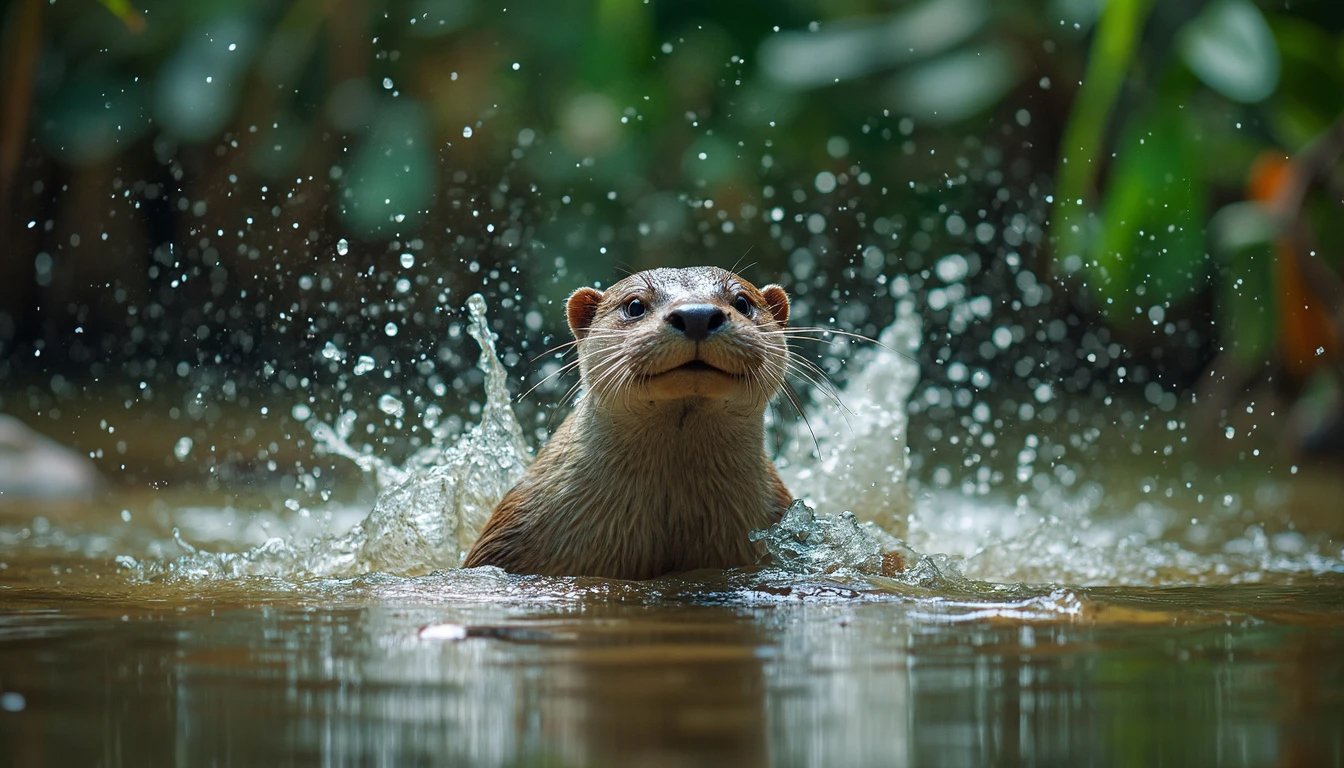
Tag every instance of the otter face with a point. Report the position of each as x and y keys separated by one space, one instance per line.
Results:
x=670 y=334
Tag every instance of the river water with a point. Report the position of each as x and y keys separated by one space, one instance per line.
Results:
x=1101 y=622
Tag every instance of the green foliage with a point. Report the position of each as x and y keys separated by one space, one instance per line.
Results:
x=1151 y=245
x=1229 y=46
x=662 y=132
x=1177 y=146
x=1243 y=235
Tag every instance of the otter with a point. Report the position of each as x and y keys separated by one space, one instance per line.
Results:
x=661 y=467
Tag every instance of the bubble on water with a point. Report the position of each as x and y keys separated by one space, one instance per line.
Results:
x=301 y=412
x=390 y=329
x=825 y=182
x=364 y=365
x=466 y=132
x=182 y=448
x=391 y=406
x=342 y=246
x=407 y=260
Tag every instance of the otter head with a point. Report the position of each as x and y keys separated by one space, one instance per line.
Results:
x=671 y=334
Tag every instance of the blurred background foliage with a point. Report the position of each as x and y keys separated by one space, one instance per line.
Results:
x=239 y=206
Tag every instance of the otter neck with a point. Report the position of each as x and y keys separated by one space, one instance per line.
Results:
x=675 y=434
x=692 y=417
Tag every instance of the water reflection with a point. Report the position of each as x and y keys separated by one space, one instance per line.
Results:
x=348 y=680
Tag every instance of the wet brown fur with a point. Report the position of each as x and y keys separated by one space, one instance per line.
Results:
x=653 y=474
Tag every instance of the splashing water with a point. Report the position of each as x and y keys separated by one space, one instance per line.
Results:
x=427 y=514
x=430 y=509
x=861 y=460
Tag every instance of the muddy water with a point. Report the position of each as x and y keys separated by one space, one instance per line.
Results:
x=1115 y=620
x=745 y=668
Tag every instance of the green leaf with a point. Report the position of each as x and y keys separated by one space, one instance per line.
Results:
x=1073 y=220
x=1238 y=226
x=1242 y=236
x=126 y=12
x=955 y=86
x=852 y=48
x=1151 y=250
x=1231 y=48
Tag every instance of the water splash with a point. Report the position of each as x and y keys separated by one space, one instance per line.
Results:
x=869 y=536
x=802 y=542
x=428 y=511
x=861 y=460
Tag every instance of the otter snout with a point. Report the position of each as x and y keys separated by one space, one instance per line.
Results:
x=697 y=321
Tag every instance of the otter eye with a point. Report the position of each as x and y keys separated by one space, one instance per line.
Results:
x=741 y=304
x=634 y=308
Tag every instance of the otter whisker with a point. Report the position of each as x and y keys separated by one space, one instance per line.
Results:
x=561 y=370
x=610 y=356
x=833 y=396
x=556 y=348
x=605 y=368
x=801 y=334
x=823 y=385
x=789 y=395
x=744 y=255
x=593 y=332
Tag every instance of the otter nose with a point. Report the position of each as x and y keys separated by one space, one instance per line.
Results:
x=697 y=321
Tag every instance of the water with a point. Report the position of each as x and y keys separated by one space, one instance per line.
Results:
x=1045 y=630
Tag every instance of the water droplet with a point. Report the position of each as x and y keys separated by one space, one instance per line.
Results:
x=301 y=412
x=342 y=246
x=466 y=132
x=390 y=329
x=407 y=260
x=391 y=406
x=363 y=365
x=182 y=448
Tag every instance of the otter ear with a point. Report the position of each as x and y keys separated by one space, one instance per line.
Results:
x=581 y=309
x=778 y=301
